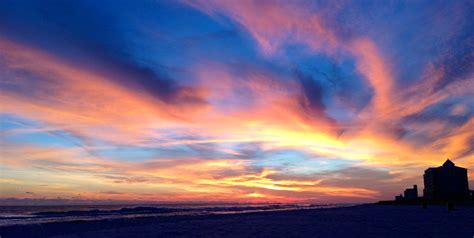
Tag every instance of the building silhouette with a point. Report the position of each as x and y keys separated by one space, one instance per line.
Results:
x=411 y=193
x=445 y=183
x=399 y=198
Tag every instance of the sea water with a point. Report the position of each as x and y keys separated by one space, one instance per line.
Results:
x=11 y=215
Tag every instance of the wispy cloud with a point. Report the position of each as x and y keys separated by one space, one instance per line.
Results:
x=191 y=103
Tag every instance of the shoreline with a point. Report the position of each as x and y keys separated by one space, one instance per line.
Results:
x=57 y=214
x=368 y=220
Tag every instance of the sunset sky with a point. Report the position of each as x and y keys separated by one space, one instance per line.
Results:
x=234 y=101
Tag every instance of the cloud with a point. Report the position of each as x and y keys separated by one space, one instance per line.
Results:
x=286 y=23
x=112 y=193
x=96 y=43
x=312 y=93
x=79 y=100
x=232 y=100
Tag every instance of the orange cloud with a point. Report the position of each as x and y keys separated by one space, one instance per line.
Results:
x=83 y=101
x=253 y=107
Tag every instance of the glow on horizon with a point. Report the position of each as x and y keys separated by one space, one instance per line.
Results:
x=239 y=101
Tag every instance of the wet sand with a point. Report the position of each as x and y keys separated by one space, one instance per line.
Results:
x=358 y=221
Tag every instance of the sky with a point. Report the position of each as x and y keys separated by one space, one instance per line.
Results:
x=232 y=101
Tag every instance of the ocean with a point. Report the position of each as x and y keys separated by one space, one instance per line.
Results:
x=12 y=215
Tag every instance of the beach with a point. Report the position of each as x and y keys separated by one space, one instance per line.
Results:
x=356 y=221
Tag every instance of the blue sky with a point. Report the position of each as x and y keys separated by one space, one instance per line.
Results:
x=232 y=100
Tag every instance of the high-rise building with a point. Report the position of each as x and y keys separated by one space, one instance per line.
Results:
x=447 y=182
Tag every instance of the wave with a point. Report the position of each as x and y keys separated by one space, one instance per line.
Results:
x=104 y=212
